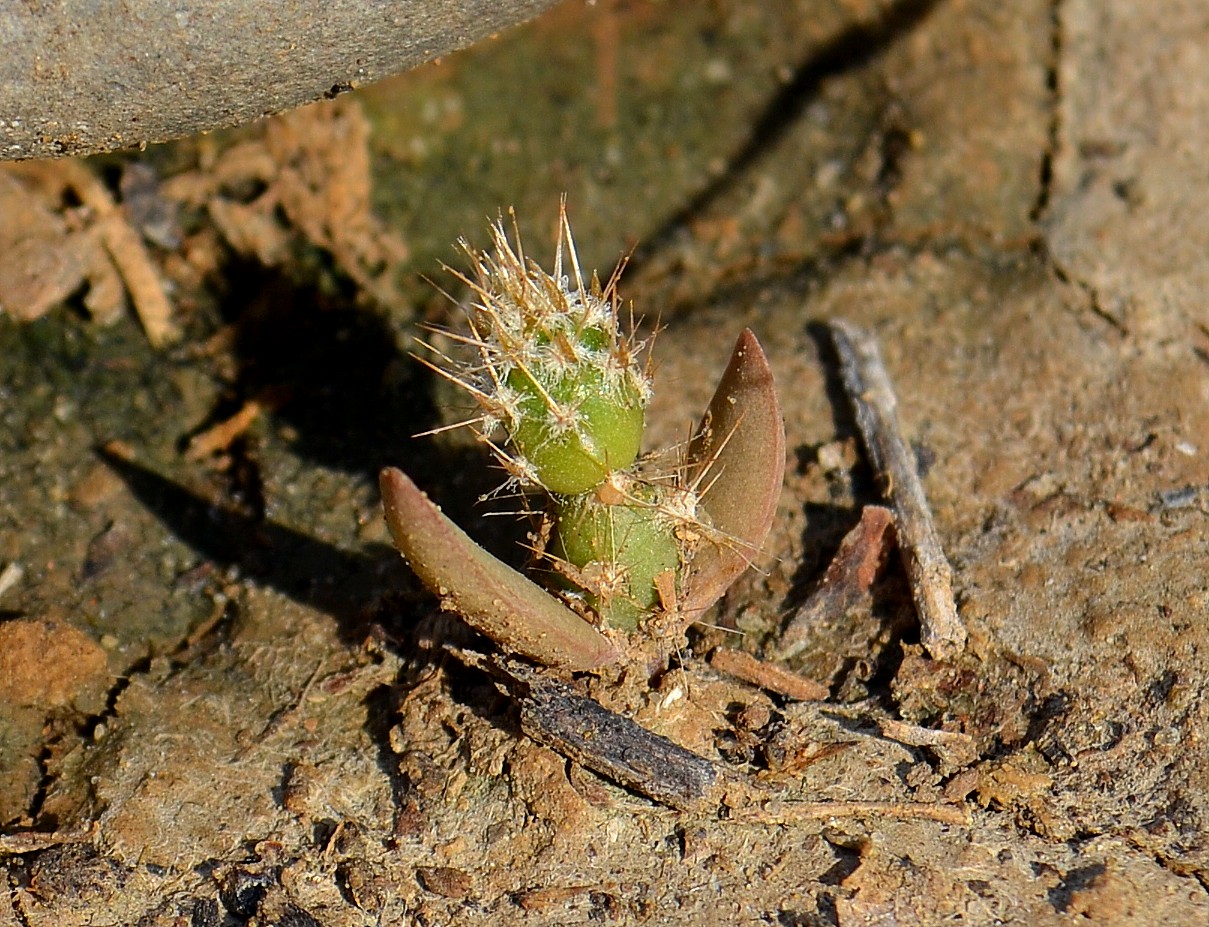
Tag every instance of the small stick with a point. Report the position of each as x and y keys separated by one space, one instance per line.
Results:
x=791 y=812
x=776 y=679
x=868 y=387
x=615 y=746
x=219 y=437
x=129 y=255
x=953 y=747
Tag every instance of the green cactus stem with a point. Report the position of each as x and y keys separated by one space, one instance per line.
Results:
x=575 y=428
x=553 y=369
x=618 y=552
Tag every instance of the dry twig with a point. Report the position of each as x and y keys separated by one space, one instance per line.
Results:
x=953 y=747
x=791 y=812
x=868 y=387
x=776 y=679
x=128 y=253
x=219 y=437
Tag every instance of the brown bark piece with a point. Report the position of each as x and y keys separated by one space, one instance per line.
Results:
x=615 y=746
x=848 y=579
x=444 y=880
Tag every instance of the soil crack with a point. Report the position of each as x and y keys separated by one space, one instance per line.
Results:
x=1053 y=86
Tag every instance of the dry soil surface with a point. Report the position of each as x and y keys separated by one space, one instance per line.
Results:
x=223 y=698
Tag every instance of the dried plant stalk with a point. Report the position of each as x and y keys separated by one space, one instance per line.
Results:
x=868 y=387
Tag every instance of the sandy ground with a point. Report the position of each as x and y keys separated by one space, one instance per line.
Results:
x=223 y=698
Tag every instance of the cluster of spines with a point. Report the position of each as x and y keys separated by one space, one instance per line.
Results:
x=553 y=367
x=555 y=370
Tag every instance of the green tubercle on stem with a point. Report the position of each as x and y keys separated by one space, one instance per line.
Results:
x=618 y=547
x=595 y=427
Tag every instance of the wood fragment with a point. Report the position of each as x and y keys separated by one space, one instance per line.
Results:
x=953 y=747
x=960 y=786
x=744 y=666
x=616 y=747
x=544 y=899
x=792 y=812
x=609 y=744
x=847 y=581
x=868 y=388
x=125 y=247
x=219 y=437
x=444 y=881
x=33 y=841
x=915 y=736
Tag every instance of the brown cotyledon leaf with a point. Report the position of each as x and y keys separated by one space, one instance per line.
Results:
x=737 y=457
x=492 y=597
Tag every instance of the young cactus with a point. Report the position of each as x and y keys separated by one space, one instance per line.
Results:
x=557 y=374
x=618 y=545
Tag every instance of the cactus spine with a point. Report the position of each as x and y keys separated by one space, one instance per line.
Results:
x=557 y=374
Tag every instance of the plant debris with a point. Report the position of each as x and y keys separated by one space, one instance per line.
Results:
x=868 y=387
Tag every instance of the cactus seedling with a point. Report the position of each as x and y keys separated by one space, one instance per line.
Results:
x=555 y=372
